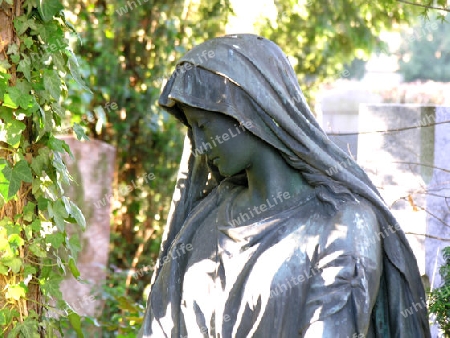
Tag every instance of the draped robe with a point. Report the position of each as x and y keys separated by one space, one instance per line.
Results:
x=290 y=271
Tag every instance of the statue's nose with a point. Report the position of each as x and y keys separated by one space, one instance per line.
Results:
x=199 y=136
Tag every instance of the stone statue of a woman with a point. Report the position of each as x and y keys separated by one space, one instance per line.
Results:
x=261 y=241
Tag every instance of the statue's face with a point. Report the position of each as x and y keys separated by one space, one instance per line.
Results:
x=228 y=145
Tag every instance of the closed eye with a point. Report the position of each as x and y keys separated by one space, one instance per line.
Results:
x=202 y=124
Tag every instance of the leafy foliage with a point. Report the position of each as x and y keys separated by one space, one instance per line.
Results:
x=322 y=36
x=35 y=249
x=440 y=298
x=425 y=52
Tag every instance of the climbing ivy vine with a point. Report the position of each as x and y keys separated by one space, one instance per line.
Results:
x=36 y=252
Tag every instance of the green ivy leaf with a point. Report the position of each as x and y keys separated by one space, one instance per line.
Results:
x=58 y=145
x=52 y=83
x=8 y=102
x=74 y=71
x=4 y=244
x=4 y=66
x=28 y=41
x=59 y=213
x=74 y=244
x=24 y=67
x=42 y=203
x=77 y=214
x=48 y=8
x=29 y=211
x=15 y=58
x=64 y=176
x=4 y=182
x=37 y=250
x=58 y=110
x=55 y=239
x=20 y=95
x=22 y=23
x=47 y=117
x=73 y=268
x=75 y=321
x=59 y=61
x=79 y=131
x=36 y=225
x=20 y=172
x=40 y=162
x=29 y=270
x=28 y=232
x=7 y=315
x=13 y=49
x=29 y=328
x=15 y=292
x=50 y=287
x=3 y=271
x=14 y=263
x=15 y=240
x=10 y=128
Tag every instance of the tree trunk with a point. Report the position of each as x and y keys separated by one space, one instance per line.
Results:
x=14 y=207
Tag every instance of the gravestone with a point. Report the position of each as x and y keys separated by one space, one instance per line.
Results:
x=92 y=169
x=339 y=114
x=409 y=164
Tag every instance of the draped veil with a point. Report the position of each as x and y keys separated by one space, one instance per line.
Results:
x=228 y=73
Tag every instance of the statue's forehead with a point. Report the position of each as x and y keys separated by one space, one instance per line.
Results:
x=199 y=113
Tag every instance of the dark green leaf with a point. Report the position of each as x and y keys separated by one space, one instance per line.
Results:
x=20 y=172
x=37 y=250
x=20 y=95
x=4 y=182
x=42 y=203
x=49 y=8
x=55 y=239
x=75 y=71
x=50 y=286
x=78 y=215
x=24 y=67
x=29 y=212
x=52 y=83
x=58 y=212
x=29 y=328
x=75 y=321
x=28 y=41
x=59 y=145
x=74 y=244
x=79 y=131
x=73 y=268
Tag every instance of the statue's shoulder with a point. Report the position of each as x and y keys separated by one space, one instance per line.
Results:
x=354 y=226
x=355 y=212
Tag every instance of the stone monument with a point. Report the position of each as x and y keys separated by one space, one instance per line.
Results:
x=279 y=245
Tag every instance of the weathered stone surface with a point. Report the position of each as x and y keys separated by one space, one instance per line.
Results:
x=92 y=169
x=438 y=199
x=339 y=114
x=410 y=167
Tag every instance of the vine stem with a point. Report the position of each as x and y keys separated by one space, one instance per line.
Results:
x=424 y=6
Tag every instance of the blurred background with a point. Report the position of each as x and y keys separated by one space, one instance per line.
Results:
x=345 y=53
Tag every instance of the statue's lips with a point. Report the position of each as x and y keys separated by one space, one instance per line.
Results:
x=214 y=160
